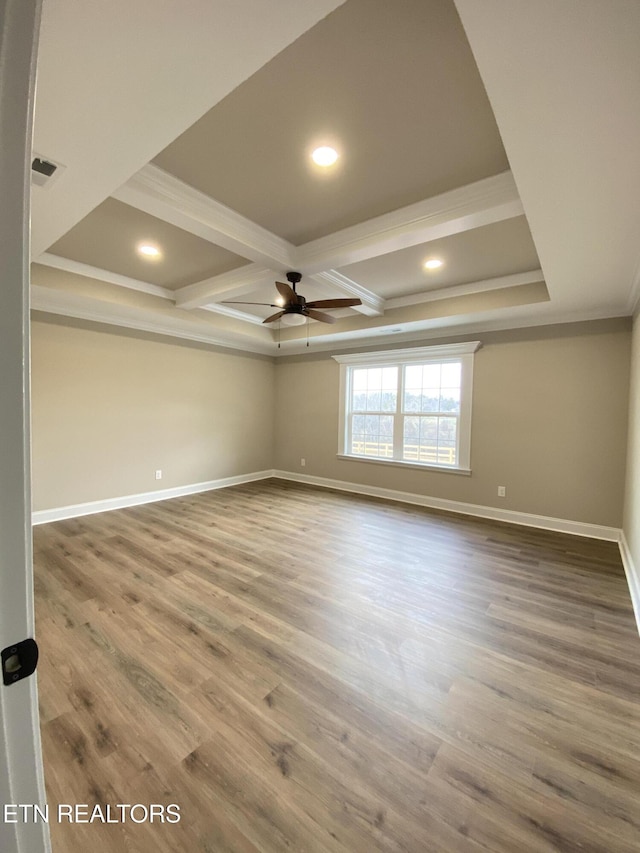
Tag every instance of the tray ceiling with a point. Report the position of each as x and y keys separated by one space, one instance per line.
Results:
x=393 y=87
x=233 y=200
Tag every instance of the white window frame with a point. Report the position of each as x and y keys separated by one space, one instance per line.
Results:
x=462 y=352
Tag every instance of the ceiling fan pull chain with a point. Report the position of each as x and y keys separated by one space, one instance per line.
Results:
x=307 y=331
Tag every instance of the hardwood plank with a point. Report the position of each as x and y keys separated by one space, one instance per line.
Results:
x=306 y=670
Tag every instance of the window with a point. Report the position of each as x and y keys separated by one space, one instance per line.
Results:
x=410 y=406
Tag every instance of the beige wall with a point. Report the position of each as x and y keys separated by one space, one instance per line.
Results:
x=108 y=409
x=549 y=423
x=632 y=492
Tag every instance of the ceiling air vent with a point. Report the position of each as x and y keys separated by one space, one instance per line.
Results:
x=43 y=171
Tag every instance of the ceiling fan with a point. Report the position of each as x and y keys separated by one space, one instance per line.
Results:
x=295 y=308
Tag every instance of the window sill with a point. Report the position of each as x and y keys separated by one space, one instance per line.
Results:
x=446 y=469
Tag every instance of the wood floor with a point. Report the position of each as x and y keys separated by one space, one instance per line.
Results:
x=304 y=670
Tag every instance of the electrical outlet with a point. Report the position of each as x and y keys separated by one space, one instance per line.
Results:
x=303 y=462
x=502 y=491
x=158 y=475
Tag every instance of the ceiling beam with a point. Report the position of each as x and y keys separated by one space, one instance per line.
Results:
x=170 y=199
x=483 y=286
x=162 y=195
x=372 y=304
x=490 y=200
x=227 y=285
x=86 y=270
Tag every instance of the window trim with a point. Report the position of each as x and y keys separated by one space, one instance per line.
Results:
x=462 y=352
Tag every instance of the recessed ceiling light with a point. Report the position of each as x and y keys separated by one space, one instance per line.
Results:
x=324 y=156
x=147 y=250
x=432 y=264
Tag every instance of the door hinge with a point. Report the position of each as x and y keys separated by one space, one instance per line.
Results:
x=19 y=661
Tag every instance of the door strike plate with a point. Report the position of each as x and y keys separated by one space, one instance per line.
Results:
x=19 y=661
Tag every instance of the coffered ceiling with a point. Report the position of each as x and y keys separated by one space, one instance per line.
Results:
x=211 y=164
x=108 y=237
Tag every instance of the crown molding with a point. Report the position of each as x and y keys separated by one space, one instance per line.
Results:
x=216 y=308
x=75 y=267
x=483 y=286
x=62 y=303
x=372 y=304
x=490 y=200
x=441 y=327
x=166 y=197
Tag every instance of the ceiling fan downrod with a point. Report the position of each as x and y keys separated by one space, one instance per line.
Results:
x=294 y=278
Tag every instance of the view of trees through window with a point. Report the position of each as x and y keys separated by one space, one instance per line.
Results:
x=408 y=412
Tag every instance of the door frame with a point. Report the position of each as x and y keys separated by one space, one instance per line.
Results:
x=21 y=770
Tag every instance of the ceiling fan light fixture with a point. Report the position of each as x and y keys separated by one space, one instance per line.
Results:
x=324 y=155
x=293 y=319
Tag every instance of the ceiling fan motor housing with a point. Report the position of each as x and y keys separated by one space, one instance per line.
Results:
x=294 y=278
x=298 y=307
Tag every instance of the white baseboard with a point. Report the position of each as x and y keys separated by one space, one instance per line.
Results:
x=60 y=513
x=633 y=576
x=577 y=528
x=561 y=525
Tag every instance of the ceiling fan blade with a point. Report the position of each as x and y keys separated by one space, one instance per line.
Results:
x=275 y=316
x=268 y=304
x=319 y=315
x=287 y=292
x=334 y=303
